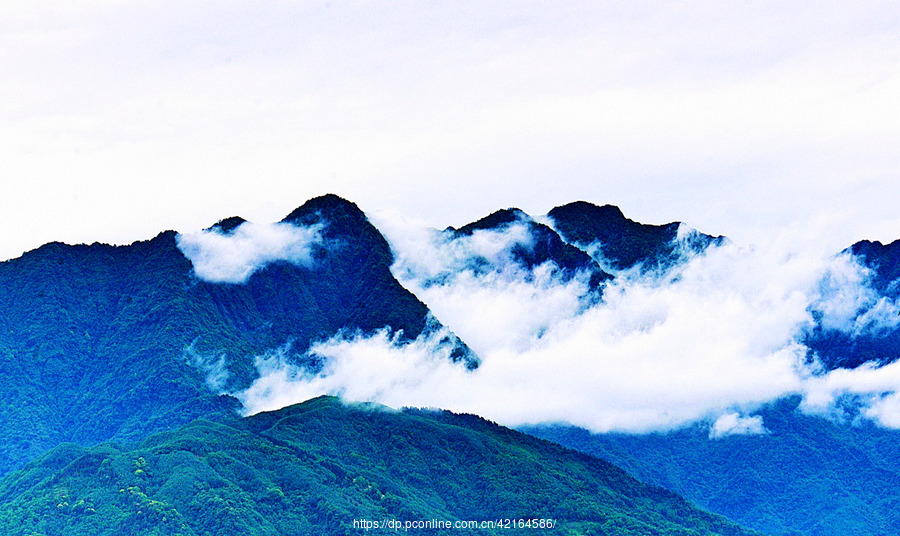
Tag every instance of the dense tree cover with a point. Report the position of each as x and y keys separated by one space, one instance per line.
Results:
x=101 y=342
x=316 y=467
x=625 y=243
x=806 y=476
x=91 y=344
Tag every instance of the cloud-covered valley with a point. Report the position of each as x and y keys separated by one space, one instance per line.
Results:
x=710 y=339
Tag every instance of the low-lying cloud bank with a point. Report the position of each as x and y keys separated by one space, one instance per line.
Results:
x=710 y=340
x=234 y=256
x=358 y=367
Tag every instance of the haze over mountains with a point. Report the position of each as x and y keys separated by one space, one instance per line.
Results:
x=581 y=317
x=700 y=329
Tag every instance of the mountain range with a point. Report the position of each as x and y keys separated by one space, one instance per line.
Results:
x=125 y=370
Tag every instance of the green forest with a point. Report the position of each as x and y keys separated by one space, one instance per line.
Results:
x=316 y=467
x=118 y=413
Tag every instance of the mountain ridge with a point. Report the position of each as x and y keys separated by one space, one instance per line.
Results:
x=320 y=466
x=127 y=335
x=806 y=475
x=104 y=343
x=624 y=243
x=545 y=246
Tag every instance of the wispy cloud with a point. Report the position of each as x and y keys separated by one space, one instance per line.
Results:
x=847 y=302
x=734 y=423
x=213 y=365
x=358 y=367
x=472 y=282
x=875 y=389
x=232 y=257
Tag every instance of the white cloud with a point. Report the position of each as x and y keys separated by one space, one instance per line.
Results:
x=882 y=314
x=428 y=255
x=213 y=366
x=708 y=341
x=847 y=302
x=876 y=387
x=741 y=118
x=884 y=408
x=472 y=282
x=733 y=423
x=357 y=367
x=220 y=257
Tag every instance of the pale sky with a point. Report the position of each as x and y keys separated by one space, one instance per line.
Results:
x=122 y=119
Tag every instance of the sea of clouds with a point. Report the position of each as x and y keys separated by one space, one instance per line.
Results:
x=709 y=340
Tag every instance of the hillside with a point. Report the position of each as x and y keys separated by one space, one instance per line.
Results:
x=624 y=243
x=102 y=342
x=807 y=475
x=316 y=467
x=114 y=354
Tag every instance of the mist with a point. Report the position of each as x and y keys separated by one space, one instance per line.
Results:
x=709 y=340
x=234 y=256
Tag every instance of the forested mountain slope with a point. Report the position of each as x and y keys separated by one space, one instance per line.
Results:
x=317 y=467
x=625 y=243
x=102 y=342
x=806 y=475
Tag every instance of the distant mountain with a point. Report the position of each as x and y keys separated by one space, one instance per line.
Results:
x=116 y=364
x=806 y=476
x=869 y=340
x=884 y=261
x=624 y=243
x=544 y=245
x=101 y=342
x=321 y=466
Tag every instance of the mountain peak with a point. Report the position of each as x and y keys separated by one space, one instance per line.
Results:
x=328 y=204
x=227 y=225
x=883 y=260
x=500 y=218
x=544 y=244
x=341 y=219
x=622 y=242
x=608 y=216
x=604 y=211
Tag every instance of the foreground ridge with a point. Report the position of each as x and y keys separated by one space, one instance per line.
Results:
x=321 y=466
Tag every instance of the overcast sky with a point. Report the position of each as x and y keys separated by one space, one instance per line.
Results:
x=122 y=119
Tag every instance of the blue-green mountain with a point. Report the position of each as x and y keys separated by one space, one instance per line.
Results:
x=878 y=343
x=318 y=467
x=625 y=243
x=100 y=342
x=544 y=245
x=118 y=366
x=806 y=476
